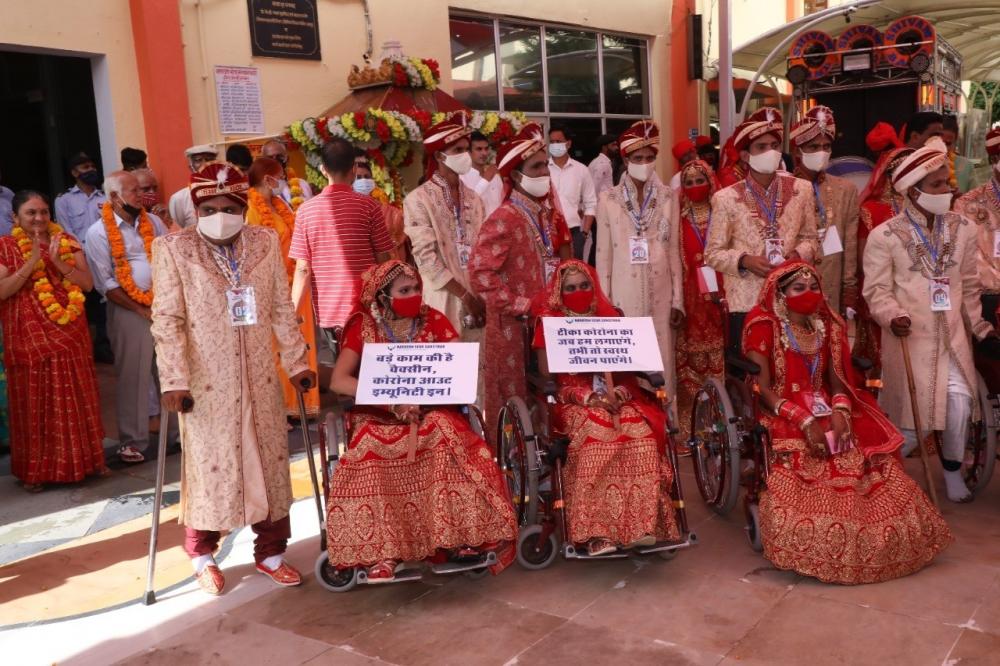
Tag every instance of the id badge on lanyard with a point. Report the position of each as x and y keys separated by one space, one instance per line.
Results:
x=818 y=404
x=708 y=281
x=940 y=294
x=242 y=306
x=638 y=249
x=830 y=241
x=551 y=264
x=774 y=250
x=464 y=253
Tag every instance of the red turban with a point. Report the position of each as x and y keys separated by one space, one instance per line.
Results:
x=525 y=143
x=702 y=141
x=918 y=164
x=993 y=141
x=818 y=120
x=882 y=137
x=219 y=180
x=766 y=120
x=682 y=148
x=455 y=126
x=642 y=134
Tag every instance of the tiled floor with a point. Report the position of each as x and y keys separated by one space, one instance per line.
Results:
x=718 y=602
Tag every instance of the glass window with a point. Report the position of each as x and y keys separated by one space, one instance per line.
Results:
x=626 y=81
x=571 y=60
x=473 y=63
x=584 y=133
x=521 y=67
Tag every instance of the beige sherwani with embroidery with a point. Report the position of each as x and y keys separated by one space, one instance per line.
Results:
x=642 y=290
x=738 y=229
x=981 y=206
x=838 y=272
x=897 y=284
x=234 y=469
x=430 y=224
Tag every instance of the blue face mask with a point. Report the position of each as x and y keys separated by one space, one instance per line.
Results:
x=364 y=186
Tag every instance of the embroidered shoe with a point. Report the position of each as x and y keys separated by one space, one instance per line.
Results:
x=285 y=575
x=211 y=580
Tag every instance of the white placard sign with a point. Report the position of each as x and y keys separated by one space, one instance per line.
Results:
x=424 y=373
x=237 y=91
x=601 y=344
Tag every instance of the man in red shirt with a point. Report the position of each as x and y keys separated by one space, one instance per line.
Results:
x=339 y=234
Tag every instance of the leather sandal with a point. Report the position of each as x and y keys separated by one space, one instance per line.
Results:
x=382 y=572
x=211 y=579
x=600 y=546
x=285 y=575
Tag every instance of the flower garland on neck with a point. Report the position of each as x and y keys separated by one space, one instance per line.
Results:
x=123 y=270
x=284 y=226
x=294 y=187
x=44 y=291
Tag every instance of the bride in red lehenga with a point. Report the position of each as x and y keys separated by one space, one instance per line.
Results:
x=838 y=504
x=616 y=481
x=389 y=504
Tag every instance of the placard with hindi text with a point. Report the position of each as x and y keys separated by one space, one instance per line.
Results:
x=601 y=344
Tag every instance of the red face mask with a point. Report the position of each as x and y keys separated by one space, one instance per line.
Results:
x=148 y=199
x=805 y=303
x=579 y=300
x=407 y=307
x=698 y=193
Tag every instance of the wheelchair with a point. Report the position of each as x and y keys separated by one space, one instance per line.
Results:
x=531 y=458
x=981 y=445
x=334 y=435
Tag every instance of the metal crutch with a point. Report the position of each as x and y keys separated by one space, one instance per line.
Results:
x=161 y=461
x=304 y=423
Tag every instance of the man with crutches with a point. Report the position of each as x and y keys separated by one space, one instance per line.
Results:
x=221 y=297
x=922 y=285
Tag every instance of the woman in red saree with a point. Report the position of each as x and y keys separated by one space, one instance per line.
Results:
x=838 y=505
x=393 y=500
x=55 y=416
x=616 y=480
x=700 y=350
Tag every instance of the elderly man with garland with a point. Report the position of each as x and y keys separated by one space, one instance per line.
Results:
x=922 y=284
x=292 y=189
x=760 y=221
x=221 y=299
x=837 y=207
x=442 y=217
x=118 y=251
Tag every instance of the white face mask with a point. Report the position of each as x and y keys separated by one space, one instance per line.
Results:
x=536 y=187
x=817 y=161
x=641 y=172
x=938 y=204
x=557 y=149
x=460 y=163
x=766 y=162
x=220 y=226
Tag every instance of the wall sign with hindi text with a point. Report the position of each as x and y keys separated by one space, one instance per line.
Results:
x=425 y=373
x=284 y=29
x=601 y=344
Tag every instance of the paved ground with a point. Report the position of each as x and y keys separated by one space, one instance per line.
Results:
x=717 y=603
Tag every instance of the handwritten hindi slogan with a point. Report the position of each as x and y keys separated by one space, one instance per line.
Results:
x=602 y=344
x=419 y=374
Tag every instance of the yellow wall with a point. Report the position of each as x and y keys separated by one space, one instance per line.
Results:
x=90 y=28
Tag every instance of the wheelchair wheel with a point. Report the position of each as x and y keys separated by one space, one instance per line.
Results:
x=981 y=448
x=532 y=554
x=752 y=512
x=716 y=450
x=517 y=457
x=332 y=578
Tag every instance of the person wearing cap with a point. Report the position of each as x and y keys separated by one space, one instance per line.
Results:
x=836 y=202
x=221 y=299
x=922 y=283
x=181 y=209
x=572 y=183
x=442 y=218
x=760 y=221
x=683 y=151
x=638 y=252
x=483 y=177
x=518 y=249
x=293 y=190
x=80 y=206
x=602 y=167
x=118 y=254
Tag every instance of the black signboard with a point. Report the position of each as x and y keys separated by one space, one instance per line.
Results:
x=284 y=29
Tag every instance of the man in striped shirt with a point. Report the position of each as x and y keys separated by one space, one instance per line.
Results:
x=338 y=235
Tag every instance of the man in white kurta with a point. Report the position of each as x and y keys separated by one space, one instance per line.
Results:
x=221 y=296
x=921 y=284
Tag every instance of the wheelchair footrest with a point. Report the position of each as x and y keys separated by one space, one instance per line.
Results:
x=570 y=552
x=487 y=560
x=689 y=541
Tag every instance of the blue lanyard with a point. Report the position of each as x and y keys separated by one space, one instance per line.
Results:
x=229 y=254
x=811 y=361
x=392 y=338
x=694 y=227
x=996 y=191
x=770 y=212
x=932 y=249
x=642 y=209
x=537 y=223
x=819 y=205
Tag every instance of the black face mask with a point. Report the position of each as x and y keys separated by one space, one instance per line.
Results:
x=91 y=178
x=133 y=211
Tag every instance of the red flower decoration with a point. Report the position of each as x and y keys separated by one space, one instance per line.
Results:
x=383 y=131
x=400 y=79
x=359 y=119
x=432 y=64
x=376 y=156
x=420 y=117
x=321 y=127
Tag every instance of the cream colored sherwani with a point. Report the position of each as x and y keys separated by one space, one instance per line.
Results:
x=234 y=469
x=740 y=228
x=838 y=272
x=642 y=290
x=897 y=284
x=982 y=206
x=430 y=223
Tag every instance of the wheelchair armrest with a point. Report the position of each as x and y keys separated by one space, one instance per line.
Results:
x=541 y=384
x=345 y=403
x=655 y=379
x=742 y=363
x=861 y=363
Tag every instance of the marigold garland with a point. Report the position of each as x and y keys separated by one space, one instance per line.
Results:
x=44 y=291
x=284 y=227
x=123 y=270
x=295 y=188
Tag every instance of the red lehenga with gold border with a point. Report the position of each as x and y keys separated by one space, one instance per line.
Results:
x=384 y=507
x=616 y=481
x=855 y=517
